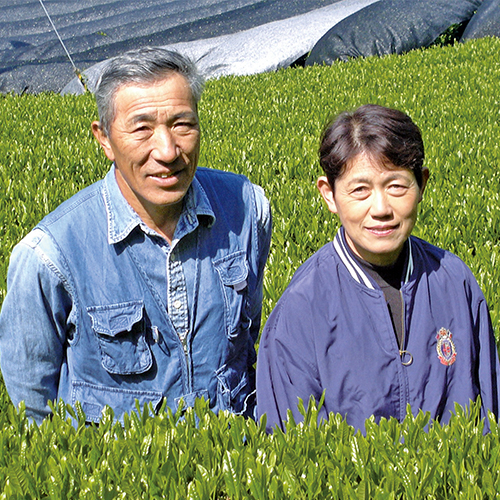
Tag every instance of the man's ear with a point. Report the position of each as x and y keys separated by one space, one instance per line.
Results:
x=327 y=193
x=425 y=178
x=103 y=140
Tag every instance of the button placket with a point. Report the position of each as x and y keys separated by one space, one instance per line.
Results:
x=177 y=297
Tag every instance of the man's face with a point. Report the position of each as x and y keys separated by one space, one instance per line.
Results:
x=377 y=207
x=154 y=141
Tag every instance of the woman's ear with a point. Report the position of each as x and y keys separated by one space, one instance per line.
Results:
x=327 y=193
x=425 y=178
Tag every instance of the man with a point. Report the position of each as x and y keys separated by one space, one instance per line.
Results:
x=377 y=319
x=148 y=284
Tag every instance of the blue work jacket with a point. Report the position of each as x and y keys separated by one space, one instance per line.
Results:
x=331 y=331
x=102 y=310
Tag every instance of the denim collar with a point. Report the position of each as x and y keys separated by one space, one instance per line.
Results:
x=123 y=219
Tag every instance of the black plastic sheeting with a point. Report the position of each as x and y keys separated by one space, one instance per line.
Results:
x=390 y=26
x=485 y=22
x=225 y=37
x=33 y=60
x=268 y=47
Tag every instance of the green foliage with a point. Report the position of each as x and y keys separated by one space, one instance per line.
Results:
x=268 y=127
x=451 y=35
x=47 y=153
x=199 y=455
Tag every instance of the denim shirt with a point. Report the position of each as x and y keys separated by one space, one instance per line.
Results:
x=100 y=309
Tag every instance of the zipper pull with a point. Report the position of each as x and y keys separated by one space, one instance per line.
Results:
x=406 y=354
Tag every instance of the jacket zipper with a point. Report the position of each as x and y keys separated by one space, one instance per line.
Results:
x=403 y=353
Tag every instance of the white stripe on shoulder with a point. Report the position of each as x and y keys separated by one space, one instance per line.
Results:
x=355 y=271
x=409 y=268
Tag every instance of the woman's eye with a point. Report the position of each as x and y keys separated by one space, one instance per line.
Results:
x=398 y=187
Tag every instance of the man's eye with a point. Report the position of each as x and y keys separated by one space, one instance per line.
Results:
x=184 y=126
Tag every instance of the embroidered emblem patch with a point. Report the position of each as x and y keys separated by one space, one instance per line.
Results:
x=445 y=347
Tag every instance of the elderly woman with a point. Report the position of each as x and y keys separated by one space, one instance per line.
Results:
x=377 y=319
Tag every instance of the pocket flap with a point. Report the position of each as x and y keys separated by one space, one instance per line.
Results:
x=94 y=398
x=116 y=318
x=233 y=269
x=190 y=398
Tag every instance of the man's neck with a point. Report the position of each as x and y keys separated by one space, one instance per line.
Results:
x=163 y=222
x=161 y=218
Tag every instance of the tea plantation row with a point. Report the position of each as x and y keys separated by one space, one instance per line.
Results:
x=203 y=456
x=268 y=126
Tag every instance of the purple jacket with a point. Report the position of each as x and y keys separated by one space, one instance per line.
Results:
x=331 y=331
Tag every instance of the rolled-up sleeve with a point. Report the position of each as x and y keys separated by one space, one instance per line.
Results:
x=33 y=326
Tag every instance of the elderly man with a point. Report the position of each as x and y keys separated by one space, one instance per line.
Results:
x=377 y=319
x=146 y=285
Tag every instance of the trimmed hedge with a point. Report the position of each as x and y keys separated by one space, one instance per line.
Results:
x=204 y=456
x=268 y=126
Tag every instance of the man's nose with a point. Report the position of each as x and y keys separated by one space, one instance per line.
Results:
x=165 y=148
x=381 y=207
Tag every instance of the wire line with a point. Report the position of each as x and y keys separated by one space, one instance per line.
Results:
x=76 y=70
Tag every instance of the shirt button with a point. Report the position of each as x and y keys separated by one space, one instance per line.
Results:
x=177 y=304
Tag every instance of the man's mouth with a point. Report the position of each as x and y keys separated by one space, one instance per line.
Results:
x=164 y=176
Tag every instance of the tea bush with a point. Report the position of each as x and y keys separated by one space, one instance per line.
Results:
x=268 y=126
x=203 y=456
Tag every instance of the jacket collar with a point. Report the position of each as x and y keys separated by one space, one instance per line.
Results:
x=355 y=270
x=123 y=219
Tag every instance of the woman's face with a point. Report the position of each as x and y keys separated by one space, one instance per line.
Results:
x=377 y=207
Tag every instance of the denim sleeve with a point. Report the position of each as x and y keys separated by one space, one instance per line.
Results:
x=264 y=229
x=33 y=325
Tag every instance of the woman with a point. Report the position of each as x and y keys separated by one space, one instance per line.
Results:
x=377 y=319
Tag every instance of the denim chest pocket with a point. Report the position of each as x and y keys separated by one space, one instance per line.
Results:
x=121 y=333
x=233 y=273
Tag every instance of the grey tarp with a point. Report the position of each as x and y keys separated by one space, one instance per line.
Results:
x=390 y=26
x=263 y=48
x=33 y=60
x=224 y=36
x=485 y=22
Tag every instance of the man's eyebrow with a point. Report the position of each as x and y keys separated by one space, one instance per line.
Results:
x=151 y=117
x=144 y=117
x=185 y=114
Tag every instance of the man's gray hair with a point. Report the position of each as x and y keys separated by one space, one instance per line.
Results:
x=145 y=65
